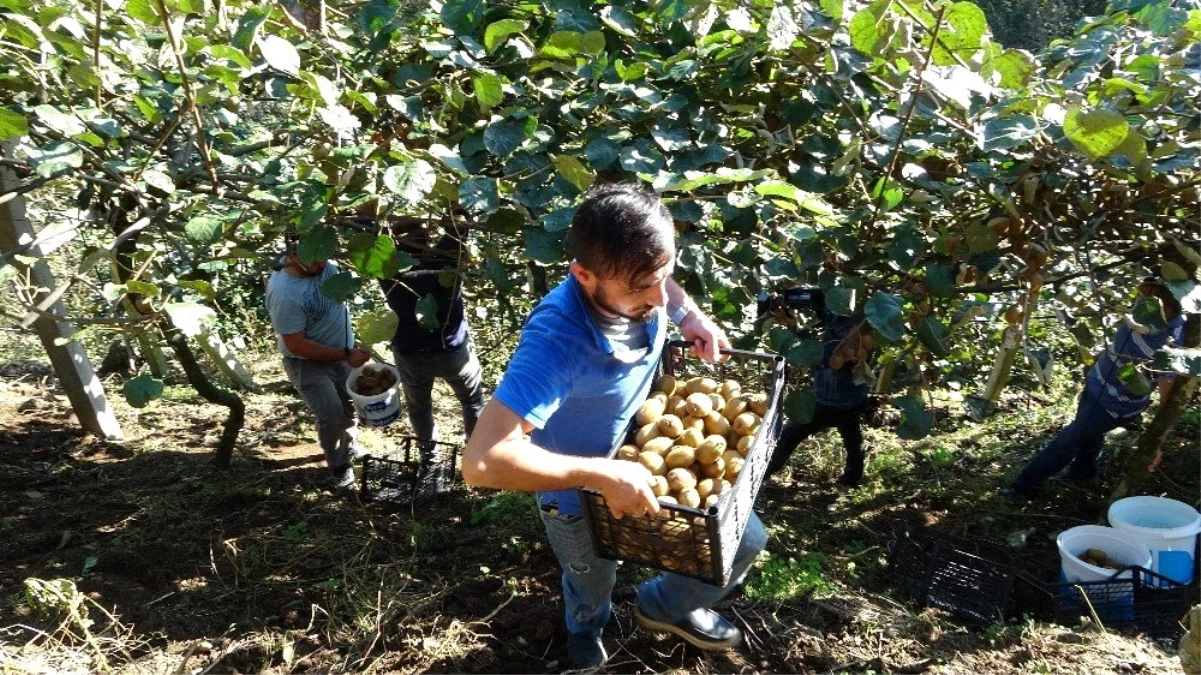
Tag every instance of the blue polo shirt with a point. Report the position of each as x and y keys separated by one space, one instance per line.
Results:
x=576 y=387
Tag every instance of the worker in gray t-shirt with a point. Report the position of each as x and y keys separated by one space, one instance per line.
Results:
x=317 y=342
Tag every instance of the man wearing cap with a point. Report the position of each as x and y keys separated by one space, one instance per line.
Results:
x=1106 y=402
x=316 y=339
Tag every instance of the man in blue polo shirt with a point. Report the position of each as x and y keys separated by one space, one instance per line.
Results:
x=585 y=362
x=1106 y=402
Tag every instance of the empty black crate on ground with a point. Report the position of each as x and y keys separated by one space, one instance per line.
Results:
x=1134 y=599
x=690 y=541
x=969 y=579
x=414 y=473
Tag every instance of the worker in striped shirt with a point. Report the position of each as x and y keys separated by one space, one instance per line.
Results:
x=1107 y=401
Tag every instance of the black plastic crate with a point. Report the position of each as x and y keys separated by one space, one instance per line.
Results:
x=969 y=579
x=413 y=473
x=1134 y=599
x=979 y=582
x=690 y=541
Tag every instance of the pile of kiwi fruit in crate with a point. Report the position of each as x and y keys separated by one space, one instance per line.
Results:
x=693 y=436
x=373 y=381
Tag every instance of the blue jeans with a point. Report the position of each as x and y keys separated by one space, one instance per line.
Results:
x=1077 y=445
x=461 y=370
x=588 y=580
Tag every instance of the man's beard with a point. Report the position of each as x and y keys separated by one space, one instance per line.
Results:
x=642 y=315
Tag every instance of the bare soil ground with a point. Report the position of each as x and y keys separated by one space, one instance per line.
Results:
x=184 y=568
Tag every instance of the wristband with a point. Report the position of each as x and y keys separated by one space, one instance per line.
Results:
x=680 y=313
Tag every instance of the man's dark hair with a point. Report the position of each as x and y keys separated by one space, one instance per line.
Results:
x=1161 y=290
x=622 y=231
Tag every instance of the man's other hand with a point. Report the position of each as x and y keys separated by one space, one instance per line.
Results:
x=707 y=338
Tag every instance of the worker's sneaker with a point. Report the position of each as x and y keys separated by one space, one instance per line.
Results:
x=701 y=627
x=585 y=652
x=344 y=482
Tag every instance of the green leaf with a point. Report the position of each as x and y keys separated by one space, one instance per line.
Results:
x=320 y=243
x=55 y=158
x=141 y=390
x=934 y=335
x=248 y=27
x=489 y=91
x=65 y=123
x=341 y=287
x=191 y=318
x=981 y=238
x=505 y=221
x=12 y=125
x=782 y=30
x=504 y=136
x=1180 y=361
x=542 y=246
x=231 y=53
x=806 y=353
x=1097 y=132
x=799 y=406
x=963 y=27
x=427 y=312
x=498 y=32
x=463 y=16
x=574 y=171
x=203 y=230
x=159 y=180
x=373 y=255
x=940 y=280
x=567 y=45
x=892 y=193
x=884 y=313
x=832 y=9
x=142 y=288
x=867 y=28
x=1015 y=68
x=916 y=422
x=145 y=11
x=1003 y=133
x=479 y=195
x=1149 y=312
x=280 y=54
x=806 y=200
x=411 y=182
x=376 y=326
x=1131 y=377
x=1171 y=271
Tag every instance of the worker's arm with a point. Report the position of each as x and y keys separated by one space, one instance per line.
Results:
x=301 y=346
x=498 y=456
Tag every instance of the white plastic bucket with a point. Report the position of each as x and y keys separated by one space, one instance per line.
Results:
x=1168 y=527
x=381 y=409
x=1110 y=602
x=1123 y=549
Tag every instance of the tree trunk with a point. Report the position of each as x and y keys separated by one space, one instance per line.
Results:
x=1170 y=409
x=212 y=393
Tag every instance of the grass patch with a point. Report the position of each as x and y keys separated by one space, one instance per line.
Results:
x=777 y=578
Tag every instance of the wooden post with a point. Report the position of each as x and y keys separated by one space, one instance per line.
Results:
x=70 y=361
x=226 y=361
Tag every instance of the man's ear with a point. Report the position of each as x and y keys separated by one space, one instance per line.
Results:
x=587 y=279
